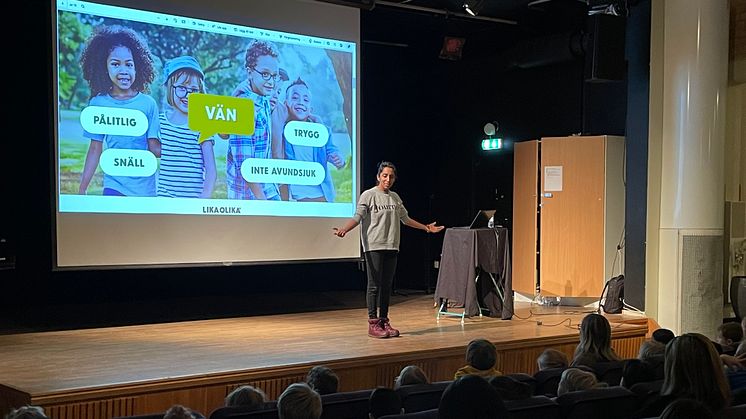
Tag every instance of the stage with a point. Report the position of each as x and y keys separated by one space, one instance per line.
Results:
x=130 y=370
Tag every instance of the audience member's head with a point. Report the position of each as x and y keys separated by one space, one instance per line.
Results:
x=686 y=409
x=481 y=354
x=552 y=358
x=471 y=397
x=595 y=339
x=636 y=371
x=246 y=396
x=27 y=412
x=178 y=411
x=663 y=336
x=575 y=379
x=509 y=388
x=729 y=335
x=693 y=369
x=299 y=401
x=651 y=349
x=411 y=374
x=322 y=379
x=384 y=401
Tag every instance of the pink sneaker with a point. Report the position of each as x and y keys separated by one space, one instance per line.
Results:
x=387 y=327
x=376 y=330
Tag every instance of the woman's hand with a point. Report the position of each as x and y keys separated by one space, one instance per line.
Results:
x=339 y=232
x=433 y=228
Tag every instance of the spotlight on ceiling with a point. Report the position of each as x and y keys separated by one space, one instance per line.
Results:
x=468 y=9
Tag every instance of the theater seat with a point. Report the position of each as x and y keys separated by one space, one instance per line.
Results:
x=609 y=372
x=425 y=414
x=534 y=407
x=525 y=378
x=733 y=412
x=241 y=412
x=346 y=405
x=195 y=414
x=547 y=381
x=147 y=416
x=646 y=392
x=419 y=397
x=607 y=403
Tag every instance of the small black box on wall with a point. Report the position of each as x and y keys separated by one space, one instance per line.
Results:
x=604 y=46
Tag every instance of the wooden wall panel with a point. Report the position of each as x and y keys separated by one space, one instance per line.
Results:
x=95 y=409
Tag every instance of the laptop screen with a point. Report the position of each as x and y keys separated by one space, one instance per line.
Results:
x=482 y=219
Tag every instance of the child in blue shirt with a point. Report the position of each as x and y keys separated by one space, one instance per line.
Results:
x=118 y=67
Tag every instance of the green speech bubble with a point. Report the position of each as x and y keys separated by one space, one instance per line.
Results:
x=213 y=114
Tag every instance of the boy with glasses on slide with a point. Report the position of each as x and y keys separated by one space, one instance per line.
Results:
x=263 y=73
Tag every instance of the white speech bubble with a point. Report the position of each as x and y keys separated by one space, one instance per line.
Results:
x=114 y=121
x=289 y=172
x=310 y=134
x=127 y=162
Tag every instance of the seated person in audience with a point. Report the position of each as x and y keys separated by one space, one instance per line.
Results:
x=651 y=354
x=595 y=342
x=741 y=350
x=509 y=388
x=575 y=379
x=686 y=409
x=637 y=371
x=651 y=349
x=409 y=375
x=384 y=401
x=471 y=397
x=692 y=370
x=249 y=397
x=299 y=401
x=663 y=336
x=481 y=356
x=552 y=358
x=322 y=379
x=729 y=337
x=27 y=412
x=178 y=411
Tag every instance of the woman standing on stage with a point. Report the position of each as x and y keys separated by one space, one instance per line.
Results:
x=380 y=209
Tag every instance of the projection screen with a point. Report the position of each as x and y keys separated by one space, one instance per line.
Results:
x=199 y=133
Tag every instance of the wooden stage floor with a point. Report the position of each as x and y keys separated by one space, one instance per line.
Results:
x=117 y=371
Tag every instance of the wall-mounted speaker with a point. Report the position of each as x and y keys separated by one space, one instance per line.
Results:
x=360 y=4
x=604 y=48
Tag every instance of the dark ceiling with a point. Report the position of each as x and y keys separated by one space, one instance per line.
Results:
x=511 y=11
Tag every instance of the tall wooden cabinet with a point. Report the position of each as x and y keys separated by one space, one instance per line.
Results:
x=568 y=214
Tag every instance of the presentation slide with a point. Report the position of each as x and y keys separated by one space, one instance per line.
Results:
x=167 y=114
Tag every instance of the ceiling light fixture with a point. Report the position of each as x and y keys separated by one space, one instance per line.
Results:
x=468 y=10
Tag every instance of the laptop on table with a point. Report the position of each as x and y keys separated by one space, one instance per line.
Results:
x=482 y=219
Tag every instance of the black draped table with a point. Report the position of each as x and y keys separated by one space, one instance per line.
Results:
x=471 y=253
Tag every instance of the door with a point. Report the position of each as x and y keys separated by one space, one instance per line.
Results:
x=572 y=216
x=525 y=204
